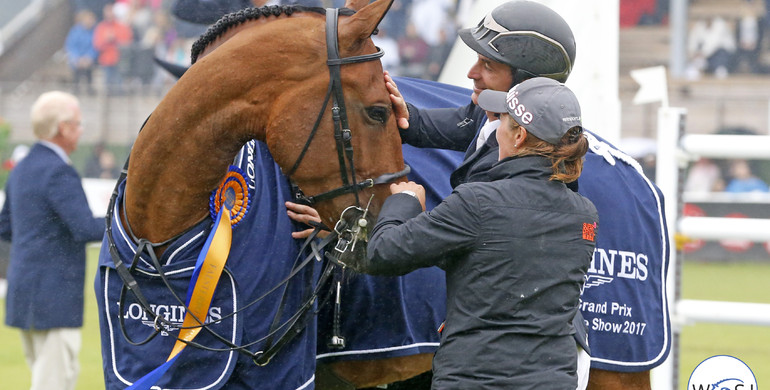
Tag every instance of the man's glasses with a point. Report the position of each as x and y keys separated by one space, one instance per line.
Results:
x=74 y=122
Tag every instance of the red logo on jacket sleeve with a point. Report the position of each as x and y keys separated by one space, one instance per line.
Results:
x=589 y=231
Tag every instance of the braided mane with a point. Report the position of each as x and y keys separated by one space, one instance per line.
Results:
x=236 y=18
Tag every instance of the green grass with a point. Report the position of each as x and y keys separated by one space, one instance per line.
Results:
x=746 y=282
x=741 y=282
x=13 y=368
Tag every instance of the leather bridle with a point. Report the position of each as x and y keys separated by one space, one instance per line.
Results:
x=342 y=133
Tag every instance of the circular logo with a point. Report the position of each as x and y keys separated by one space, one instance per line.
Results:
x=722 y=372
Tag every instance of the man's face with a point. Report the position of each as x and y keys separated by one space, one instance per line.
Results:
x=71 y=130
x=487 y=73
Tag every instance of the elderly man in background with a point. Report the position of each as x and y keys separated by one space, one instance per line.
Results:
x=47 y=219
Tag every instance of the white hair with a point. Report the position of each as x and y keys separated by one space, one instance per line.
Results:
x=50 y=109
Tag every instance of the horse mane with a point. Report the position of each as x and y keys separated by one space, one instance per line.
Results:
x=231 y=20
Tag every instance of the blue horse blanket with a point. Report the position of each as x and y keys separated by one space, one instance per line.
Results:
x=624 y=299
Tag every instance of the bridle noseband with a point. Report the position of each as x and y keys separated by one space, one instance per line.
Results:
x=342 y=133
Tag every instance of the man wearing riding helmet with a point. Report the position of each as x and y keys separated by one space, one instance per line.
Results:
x=518 y=40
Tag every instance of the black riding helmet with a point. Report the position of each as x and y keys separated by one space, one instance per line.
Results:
x=528 y=36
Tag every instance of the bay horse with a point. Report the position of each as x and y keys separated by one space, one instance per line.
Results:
x=259 y=78
x=265 y=84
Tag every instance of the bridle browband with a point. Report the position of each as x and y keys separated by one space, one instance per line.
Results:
x=342 y=133
x=343 y=233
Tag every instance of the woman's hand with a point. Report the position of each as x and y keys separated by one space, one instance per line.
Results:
x=399 y=104
x=304 y=214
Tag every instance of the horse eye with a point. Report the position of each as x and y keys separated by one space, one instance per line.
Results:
x=378 y=113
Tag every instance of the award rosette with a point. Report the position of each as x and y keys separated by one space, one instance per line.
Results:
x=233 y=194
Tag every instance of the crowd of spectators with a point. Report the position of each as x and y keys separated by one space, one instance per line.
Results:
x=119 y=39
x=728 y=175
x=723 y=38
x=114 y=42
x=721 y=45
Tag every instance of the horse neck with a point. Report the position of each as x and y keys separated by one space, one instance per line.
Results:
x=223 y=101
x=183 y=152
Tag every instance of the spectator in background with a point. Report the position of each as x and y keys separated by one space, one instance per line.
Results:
x=430 y=17
x=95 y=6
x=748 y=33
x=413 y=52
x=390 y=60
x=712 y=48
x=704 y=177
x=19 y=152
x=743 y=180
x=438 y=54
x=47 y=219
x=109 y=37
x=644 y=151
x=397 y=18
x=159 y=38
x=136 y=59
x=81 y=54
x=101 y=164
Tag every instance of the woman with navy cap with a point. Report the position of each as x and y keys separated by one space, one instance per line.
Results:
x=515 y=249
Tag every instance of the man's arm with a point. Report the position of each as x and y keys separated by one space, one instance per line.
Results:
x=69 y=201
x=444 y=128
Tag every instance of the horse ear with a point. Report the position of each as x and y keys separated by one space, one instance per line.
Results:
x=355 y=4
x=361 y=25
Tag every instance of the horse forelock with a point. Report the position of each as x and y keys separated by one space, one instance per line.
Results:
x=229 y=21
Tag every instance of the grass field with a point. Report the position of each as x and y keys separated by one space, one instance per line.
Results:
x=745 y=282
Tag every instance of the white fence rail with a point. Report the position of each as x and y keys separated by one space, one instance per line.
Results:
x=711 y=228
x=738 y=313
x=675 y=150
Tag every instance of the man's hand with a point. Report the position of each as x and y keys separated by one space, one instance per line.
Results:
x=418 y=190
x=304 y=214
x=399 y=104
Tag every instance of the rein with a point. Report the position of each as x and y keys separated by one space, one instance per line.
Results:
x=344 y=233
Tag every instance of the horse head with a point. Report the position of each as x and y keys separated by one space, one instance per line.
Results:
x=266 y=74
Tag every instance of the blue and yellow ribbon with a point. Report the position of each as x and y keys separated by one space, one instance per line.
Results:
x=232 y=193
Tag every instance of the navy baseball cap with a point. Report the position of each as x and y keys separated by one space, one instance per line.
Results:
x=545 y=107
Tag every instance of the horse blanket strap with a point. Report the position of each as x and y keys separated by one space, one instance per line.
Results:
x=208 y=268
x=304 y=313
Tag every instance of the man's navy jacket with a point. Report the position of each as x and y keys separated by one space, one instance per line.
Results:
x=47 y=219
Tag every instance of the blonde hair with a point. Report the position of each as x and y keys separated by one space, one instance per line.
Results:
x=50 y=109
